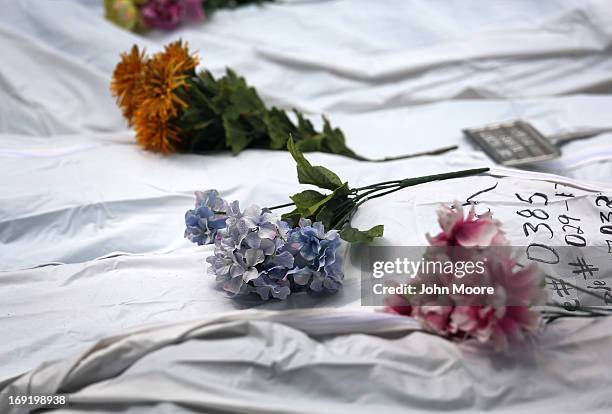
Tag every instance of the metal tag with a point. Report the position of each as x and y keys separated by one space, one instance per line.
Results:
x=513 y=143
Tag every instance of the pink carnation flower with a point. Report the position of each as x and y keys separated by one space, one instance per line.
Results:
x=500 y=319
x=470 y=231
x=168 y=14
x=507 y=316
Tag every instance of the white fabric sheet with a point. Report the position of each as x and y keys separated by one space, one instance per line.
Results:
x=398 y=77
x=76 y=187
x=327 y=361
x=56 y=310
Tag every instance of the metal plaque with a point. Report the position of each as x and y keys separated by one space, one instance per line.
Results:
x=513 y=143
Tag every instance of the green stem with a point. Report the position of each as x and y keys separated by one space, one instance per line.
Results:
x=408 y=182
x=366 y=196
x=581 y=312
x=396 y=185
x=344 y=213
x=550 y=316
x=281 y=206
x=375 y=190
x=377 y=185
x=437 y=151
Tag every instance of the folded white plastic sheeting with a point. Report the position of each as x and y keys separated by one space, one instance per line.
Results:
x=54 y=311
x=349 y=55
x=75 y=186
x=325 y=361
x=75 y=197
x=397 y=77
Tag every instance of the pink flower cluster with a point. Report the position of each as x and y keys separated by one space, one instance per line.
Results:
x=501 y=319
x=470 y=231
x=168 y=14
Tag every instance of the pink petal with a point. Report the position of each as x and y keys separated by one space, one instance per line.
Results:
x=476 y=233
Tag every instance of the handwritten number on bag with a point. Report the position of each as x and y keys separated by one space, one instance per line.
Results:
x=468 y=201
x=577 y=228
x=534 y=229
x=565 y=219
x=605 y=199
x=571 y=307
x=536 y=212
x=575 y=240
x=531 y=255
x=530 y=199
x=605 y=218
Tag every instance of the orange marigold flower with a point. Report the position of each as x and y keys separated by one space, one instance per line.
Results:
x=179 y=52
x=126 y=84
x=154 y=133
x=146 y=89
x=166 y=71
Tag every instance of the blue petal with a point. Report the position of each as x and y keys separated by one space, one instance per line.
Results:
x=254 y=257
x=284 y=259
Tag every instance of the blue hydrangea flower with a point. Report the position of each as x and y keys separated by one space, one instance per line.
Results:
x=248 y=255
x=269 y=287
x=208 y=217
x=259 y=253
x=305 y=240
x=317 y=264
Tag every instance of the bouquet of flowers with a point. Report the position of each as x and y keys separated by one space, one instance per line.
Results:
x=510 y=315
x=258 y=251
x=174 y=109
x=142 y=15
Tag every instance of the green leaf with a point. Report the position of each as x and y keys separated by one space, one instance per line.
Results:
x=307 y=174
x=334 y=210
x=326 y=216
x=336 y=143
x=243 y=99
x=304 y=126
x=204 y=88
x=202 y=125
x=353 y=235
x=211 y=6
x=236 y=136
x=227 y=113
x=309 y=202
x=293 y=217
x=311 y=144
x=306 y=199
x=279 y=127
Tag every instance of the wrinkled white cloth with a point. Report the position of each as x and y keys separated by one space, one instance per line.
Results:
x=403 y=77
x=326 y=361
x=57 y=310
x=91 y=227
